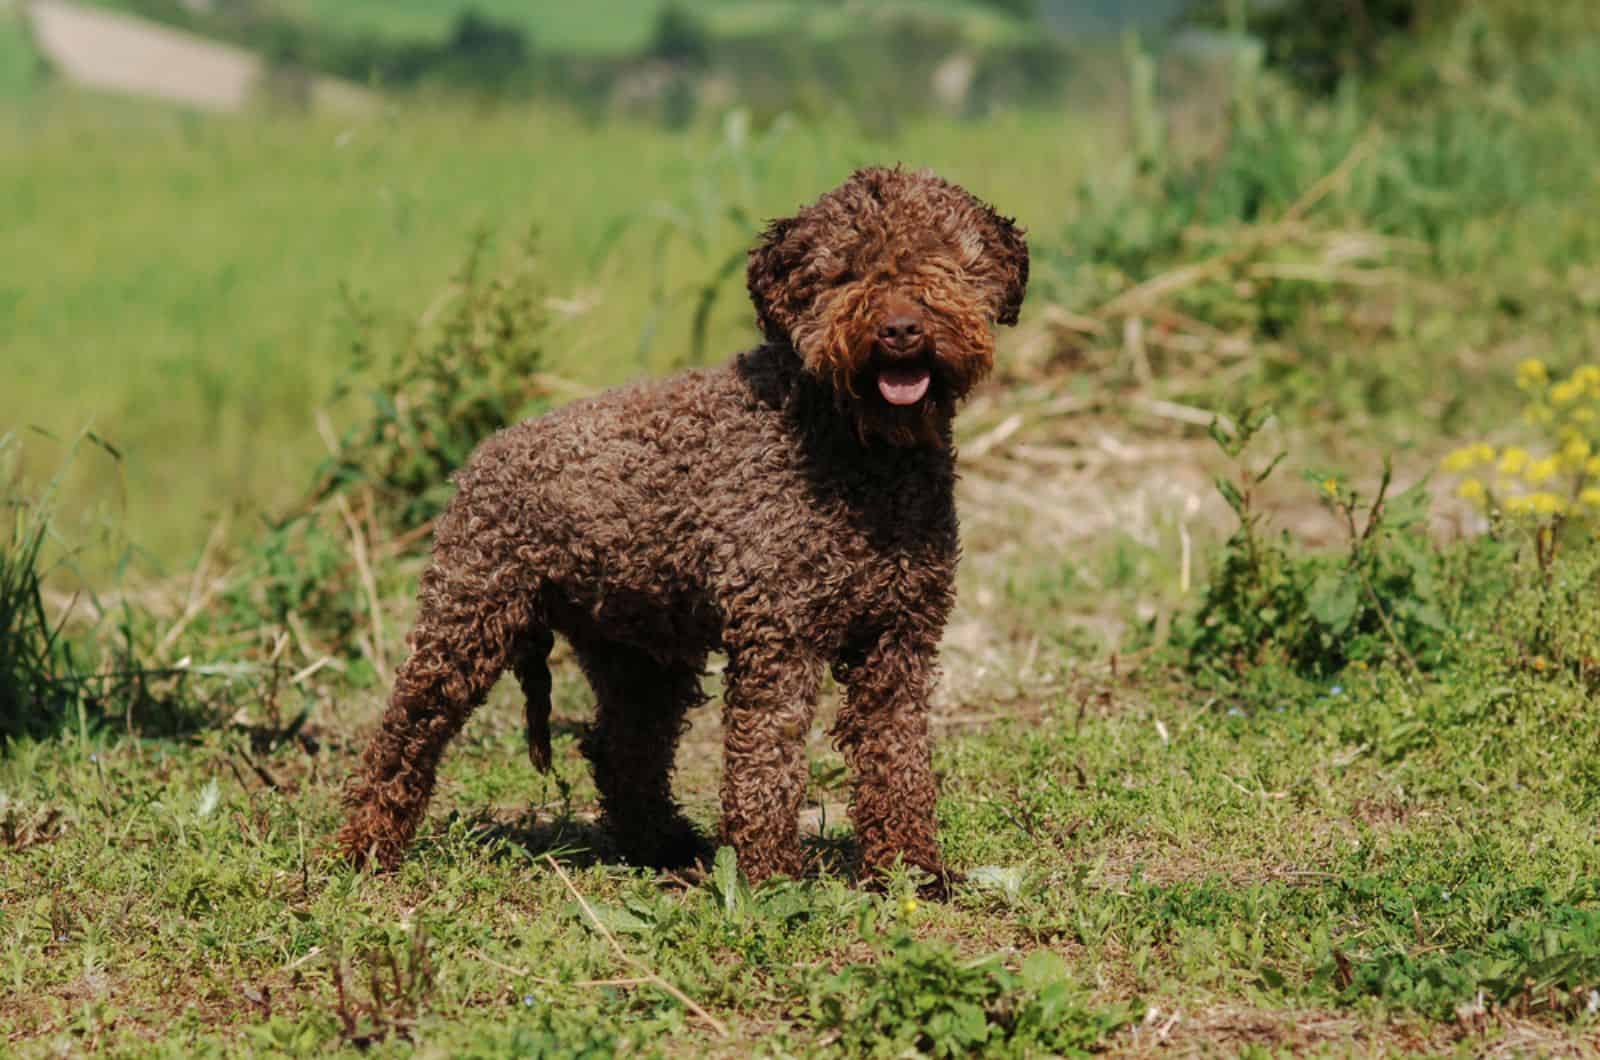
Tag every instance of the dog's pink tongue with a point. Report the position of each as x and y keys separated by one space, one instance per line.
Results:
x=903 y=386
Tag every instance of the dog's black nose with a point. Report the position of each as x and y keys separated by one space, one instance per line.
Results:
x=902 y=332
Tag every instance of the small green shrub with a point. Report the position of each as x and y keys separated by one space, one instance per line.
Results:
x=51 y=676
x=38 y=687
x=1384 y=598
x=1320 y=45
x=920 y=997
x=679 y=36
x=1545 y=963
x=470 y=368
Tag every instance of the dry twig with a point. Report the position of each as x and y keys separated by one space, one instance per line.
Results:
x=358 y=546
x=633 y=962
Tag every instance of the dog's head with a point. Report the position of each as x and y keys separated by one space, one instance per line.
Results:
x=889 y=288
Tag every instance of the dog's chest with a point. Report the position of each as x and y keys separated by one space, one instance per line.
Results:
x=835 y=549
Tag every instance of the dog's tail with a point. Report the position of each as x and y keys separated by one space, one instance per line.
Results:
x=538 y=717
x=532 y=667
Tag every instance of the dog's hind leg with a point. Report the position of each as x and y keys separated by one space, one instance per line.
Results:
x=642 y=708
x=469 y=622
x=531 y=663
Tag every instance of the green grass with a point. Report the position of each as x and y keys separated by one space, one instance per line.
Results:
x=611 y=26
x=20 y=70
x=1365 y=857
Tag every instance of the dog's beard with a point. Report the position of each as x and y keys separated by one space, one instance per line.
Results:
x=905 y=404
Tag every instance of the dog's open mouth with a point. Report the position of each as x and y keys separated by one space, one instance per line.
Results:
x=904 y=384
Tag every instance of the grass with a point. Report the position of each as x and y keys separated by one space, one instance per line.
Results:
x=20 y=69
x=1264 y=768
x=1369 y=858
x=609 y=27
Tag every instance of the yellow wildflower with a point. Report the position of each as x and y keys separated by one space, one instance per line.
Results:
x=1536 y=504
x=1538 y=414
x=1575 y=453
x=1582 y=414
x=1539 y=504
x=1330 y=486
x=1566 y=393
x=1590 y=497
x=1592 y=466
x=1467 y=457
x=908 y=906
x=1512 y=461
x=1542 y=470
x=1472 y=491
x=1532 y=373
x=1588 y=377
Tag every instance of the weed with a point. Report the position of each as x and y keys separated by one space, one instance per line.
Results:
x=1272 y=601
x=37 y=685
x=398 y=990
x=52 y=677
x=1549 y=963
x=1552 y=495
x=921 y=996
x=470 y=368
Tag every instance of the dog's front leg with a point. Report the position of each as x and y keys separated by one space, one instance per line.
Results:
x=882 y=731
x=769 y=698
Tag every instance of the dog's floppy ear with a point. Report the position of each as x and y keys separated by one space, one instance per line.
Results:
x=1011 y=251
x=768 y=277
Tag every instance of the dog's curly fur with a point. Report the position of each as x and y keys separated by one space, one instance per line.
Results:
x=792 y=509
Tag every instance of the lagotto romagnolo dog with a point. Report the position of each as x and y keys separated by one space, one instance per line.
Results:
x=794 y=509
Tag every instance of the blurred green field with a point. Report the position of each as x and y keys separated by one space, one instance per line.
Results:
x=614 y=26
x=175 y=280
x=20 y=72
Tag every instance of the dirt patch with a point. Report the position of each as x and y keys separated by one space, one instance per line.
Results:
x=113 y=52
x=1227 y=1030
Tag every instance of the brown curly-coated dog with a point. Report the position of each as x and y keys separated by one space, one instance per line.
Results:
x=794 y=509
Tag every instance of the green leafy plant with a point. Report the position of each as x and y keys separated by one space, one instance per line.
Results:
x=1385 y=596
x=471 y=367
x=86 y=666
x=920 y=996
x=39 y=684
x=1271 y=601
x=1549 y=962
